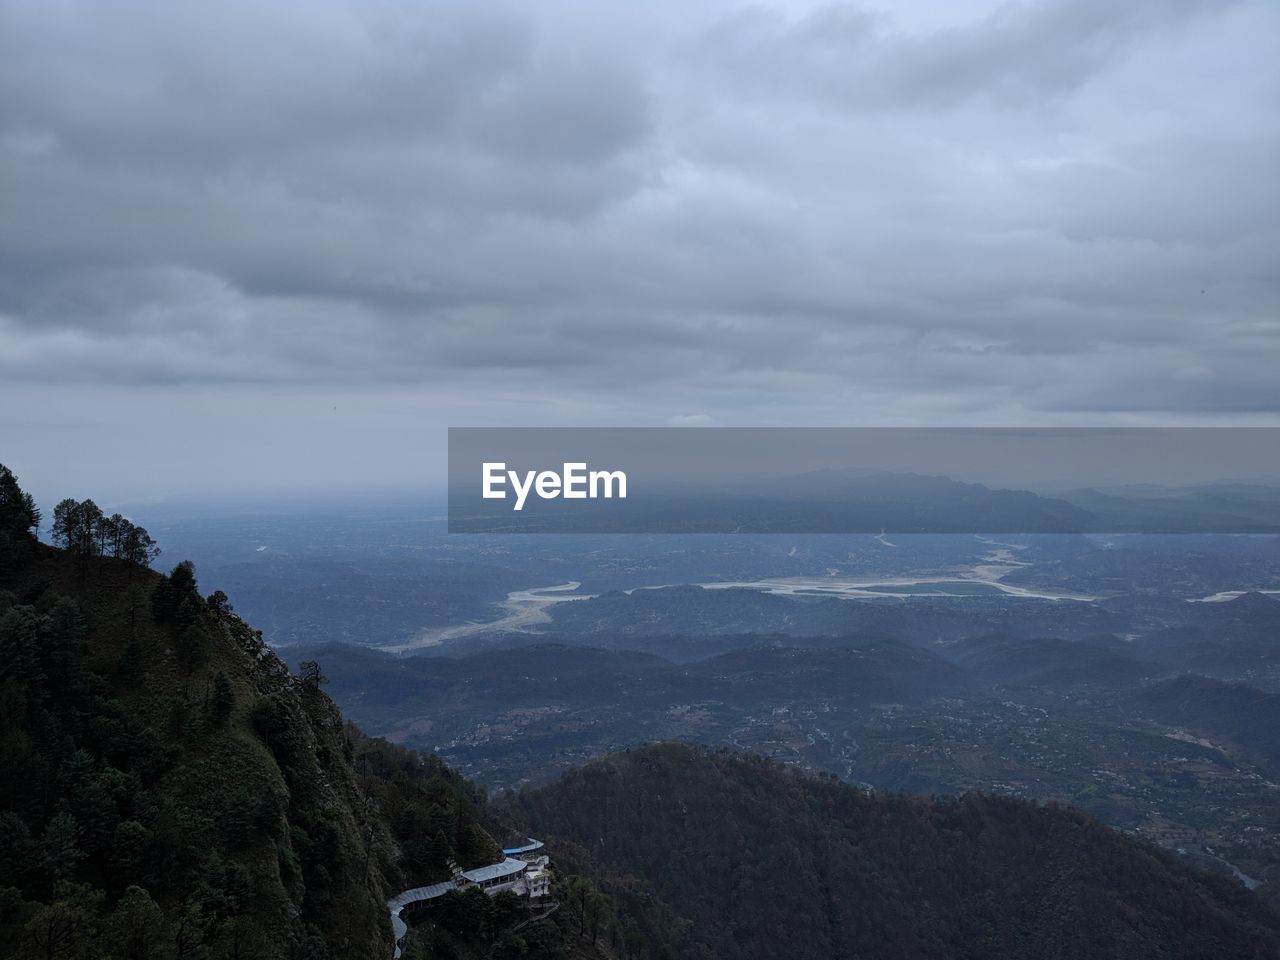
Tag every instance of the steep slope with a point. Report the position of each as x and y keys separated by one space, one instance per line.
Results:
x=169 y=789
x=731 y=857
x=162 y=762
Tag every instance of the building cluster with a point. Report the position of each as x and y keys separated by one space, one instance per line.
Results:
x=523 y=871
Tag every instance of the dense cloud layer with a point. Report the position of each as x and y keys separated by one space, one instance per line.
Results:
x=579 y=212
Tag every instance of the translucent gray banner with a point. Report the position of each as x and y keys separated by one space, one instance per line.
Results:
x=864 y=480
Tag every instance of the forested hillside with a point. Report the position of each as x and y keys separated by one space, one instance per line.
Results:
x=169 y=786
x=169 y=790
x=725 y=856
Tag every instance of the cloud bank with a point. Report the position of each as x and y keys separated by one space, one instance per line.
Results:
x=581 y=212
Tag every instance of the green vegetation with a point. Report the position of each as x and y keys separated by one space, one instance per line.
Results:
x=470 y=925
x=19 y=516
x=171 y=791
x=725 y=856
x=433 y=814
x=81 y=527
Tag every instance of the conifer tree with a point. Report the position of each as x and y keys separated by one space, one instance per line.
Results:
x=19 y=517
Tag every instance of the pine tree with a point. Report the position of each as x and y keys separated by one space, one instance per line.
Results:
x=19 y=516
x=310 y=675
x=137 y=546
x=90 y=523
x=182 y=580
x=66 y=523
x=219 y=604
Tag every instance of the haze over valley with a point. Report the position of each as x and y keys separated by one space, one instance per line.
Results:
x=1083 y=669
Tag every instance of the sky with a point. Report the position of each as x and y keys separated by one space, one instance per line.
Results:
x=281 y=247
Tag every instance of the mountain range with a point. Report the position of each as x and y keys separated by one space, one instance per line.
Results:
x=172 y=789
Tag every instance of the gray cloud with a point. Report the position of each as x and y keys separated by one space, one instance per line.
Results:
x=1022 y=54
x=570 y=212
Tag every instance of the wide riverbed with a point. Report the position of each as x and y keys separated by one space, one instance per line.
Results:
x=523 y=609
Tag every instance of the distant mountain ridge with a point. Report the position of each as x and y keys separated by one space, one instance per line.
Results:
x=732 y=858
x=1237 y=711
x=1047 y=662
x=171 y=784
x=1222 y=507
x=840 y=501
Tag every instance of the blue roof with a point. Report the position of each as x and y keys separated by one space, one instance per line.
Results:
x=527 y=848
x=507 y=868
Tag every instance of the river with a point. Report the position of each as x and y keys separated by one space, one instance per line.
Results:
x=520 y=610
x=523 y=609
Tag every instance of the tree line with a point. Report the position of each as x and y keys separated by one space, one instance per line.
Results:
x=138 y=819
x=81 y=527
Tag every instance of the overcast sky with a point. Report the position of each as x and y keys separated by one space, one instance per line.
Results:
x=255 y=246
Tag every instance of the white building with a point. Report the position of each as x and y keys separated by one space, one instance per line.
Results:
x=525 y=874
